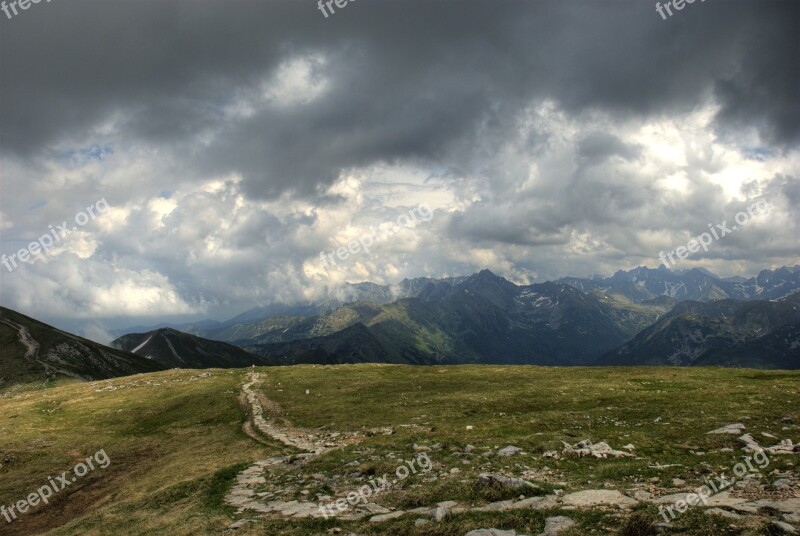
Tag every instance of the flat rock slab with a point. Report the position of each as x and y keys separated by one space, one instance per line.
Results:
x=536 y=503
x=733 y=429
x=553 y=526
x=724 y=513
x=720 y=499
x=386 y=517
x=598 y=497
x=598 y=450
x=492 y=532
x=787 y=506
x=783 y=528
x=510 y=450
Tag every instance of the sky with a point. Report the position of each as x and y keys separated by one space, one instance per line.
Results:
x=226 y=147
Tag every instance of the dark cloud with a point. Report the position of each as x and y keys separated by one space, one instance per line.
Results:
x=408 y=79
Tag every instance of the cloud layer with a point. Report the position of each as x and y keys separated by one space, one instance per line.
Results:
x=237 y=141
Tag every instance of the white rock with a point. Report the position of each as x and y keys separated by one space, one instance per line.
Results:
x=598 y=450
x=733 y=429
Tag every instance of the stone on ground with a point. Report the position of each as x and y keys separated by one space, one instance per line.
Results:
x=733 y=429
x=554 y=525
x=598 y=497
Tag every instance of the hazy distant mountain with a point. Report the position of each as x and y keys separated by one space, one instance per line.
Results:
x=31 y=351
x=172 y=348
x=483 y=318
x=641 y=284
x=758 y=334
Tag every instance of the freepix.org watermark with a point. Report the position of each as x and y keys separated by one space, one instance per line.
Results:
x=9 y=7
x=55 y=485
x=710 y=488
x=56 y=234
x=421 y=462
x=718 y=231
x=677 y=4
x=376 y=235
x=341 y=4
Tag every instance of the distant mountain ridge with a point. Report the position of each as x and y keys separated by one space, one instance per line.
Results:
x=757 y=334
x=697 y=284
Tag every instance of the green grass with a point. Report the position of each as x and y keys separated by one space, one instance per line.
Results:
x=176 y=444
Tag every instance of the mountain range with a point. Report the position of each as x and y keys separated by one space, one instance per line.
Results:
x=639 y=317
x=487 y=319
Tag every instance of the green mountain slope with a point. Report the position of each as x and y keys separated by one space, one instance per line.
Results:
x=172 y=348
x=31 y=351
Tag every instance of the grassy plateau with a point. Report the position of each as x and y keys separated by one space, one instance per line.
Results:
x=176 y=444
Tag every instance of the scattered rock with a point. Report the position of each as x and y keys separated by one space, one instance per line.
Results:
x=724 y=513
x=509 y=451
x=492 y=479
x=792 y=518
x=784 y=528
x=678 y=482
x=386 y=517
x=787 y=506
x=239 y=524
x=492 y=532
x=660 y=467
x=439 y=513
x=599 y=450
x=733 y=429
x=554 y=525
x=724 y=499
x=784 y=447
